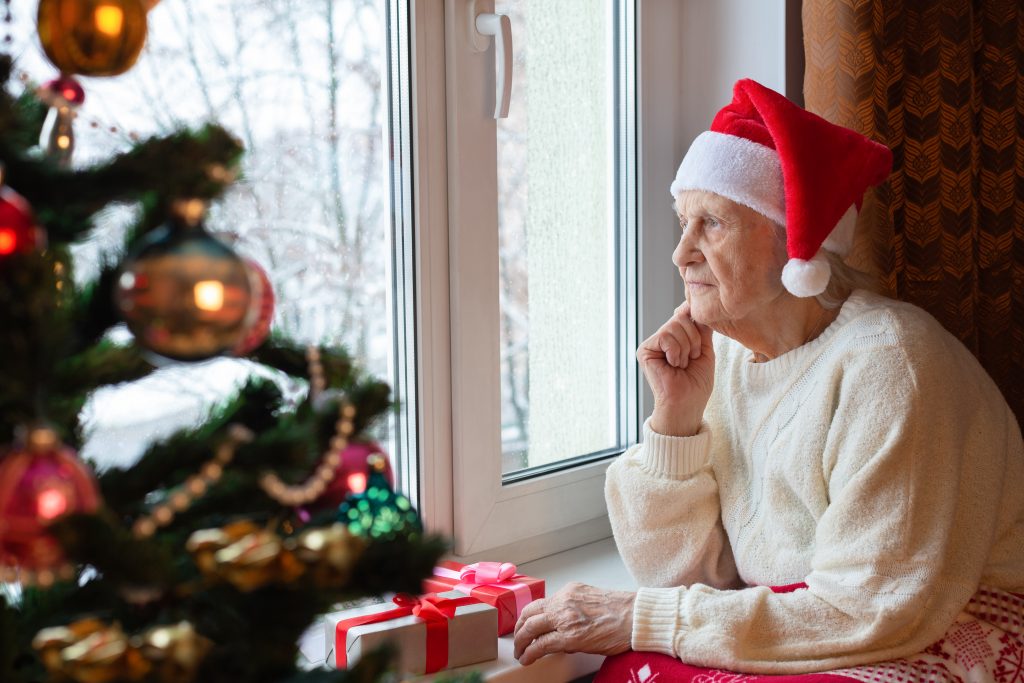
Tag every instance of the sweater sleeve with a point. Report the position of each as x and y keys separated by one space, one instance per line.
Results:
x=915 y=466
x=665 y=514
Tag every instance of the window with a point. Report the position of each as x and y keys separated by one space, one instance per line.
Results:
x=305 y=87
x=558 y=239
x=541 y=245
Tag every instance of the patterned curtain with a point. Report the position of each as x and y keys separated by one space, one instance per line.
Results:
x=942 y=83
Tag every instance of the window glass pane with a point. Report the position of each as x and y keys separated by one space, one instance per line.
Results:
x=557 y=230
x=302 y=84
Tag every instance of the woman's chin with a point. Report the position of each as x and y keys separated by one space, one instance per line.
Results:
x=700 y=311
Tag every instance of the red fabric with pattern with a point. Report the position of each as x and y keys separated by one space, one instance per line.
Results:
x=985 y=643
x=650 y=667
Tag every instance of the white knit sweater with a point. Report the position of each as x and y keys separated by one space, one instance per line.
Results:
x=877 y=463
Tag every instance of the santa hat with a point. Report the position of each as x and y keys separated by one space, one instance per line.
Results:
x=792 y=166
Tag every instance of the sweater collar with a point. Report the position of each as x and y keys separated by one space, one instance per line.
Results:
x=798 y=358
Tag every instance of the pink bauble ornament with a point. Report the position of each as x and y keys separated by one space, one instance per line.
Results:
x=261 y=310
x=352 y=474
x=40 y=481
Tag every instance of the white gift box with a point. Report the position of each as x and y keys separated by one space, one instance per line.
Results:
x=472 y=635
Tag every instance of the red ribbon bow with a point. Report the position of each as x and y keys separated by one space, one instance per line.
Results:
x=434 y=610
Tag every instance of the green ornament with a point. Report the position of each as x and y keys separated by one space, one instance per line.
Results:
x=379 y=511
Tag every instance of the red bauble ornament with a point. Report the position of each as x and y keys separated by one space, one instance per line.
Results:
x=261 y=310
x=352 y=474
x=19 y=233
x=62 y=91
x=40 y=481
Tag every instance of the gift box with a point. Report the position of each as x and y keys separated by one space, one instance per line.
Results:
x=495 y=583
x=431 y=632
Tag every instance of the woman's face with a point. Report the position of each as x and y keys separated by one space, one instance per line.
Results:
x=730 y=258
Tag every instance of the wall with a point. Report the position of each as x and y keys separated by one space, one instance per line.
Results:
x=691 y=53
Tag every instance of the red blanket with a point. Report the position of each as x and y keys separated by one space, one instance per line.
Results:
x=984 y=645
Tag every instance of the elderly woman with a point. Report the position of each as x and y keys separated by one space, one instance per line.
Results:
x=828 y=479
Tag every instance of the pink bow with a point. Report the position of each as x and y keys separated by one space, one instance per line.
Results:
x=487 y=572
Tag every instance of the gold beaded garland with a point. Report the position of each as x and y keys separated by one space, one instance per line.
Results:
x=180 y=501
x=216 y=172
x=317 y=380
x=163 y=515
x=327 y=470
x=43 y=578
x=290 y=496
x=144 y=527
x=195 y=486
x=211 y=472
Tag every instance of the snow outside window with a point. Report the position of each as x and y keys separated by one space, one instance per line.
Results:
x=304 y=86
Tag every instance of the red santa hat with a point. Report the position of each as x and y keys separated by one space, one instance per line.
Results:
x=792 y=166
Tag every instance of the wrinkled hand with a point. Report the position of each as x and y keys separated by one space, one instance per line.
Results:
x=578 y=618
x=679 y=363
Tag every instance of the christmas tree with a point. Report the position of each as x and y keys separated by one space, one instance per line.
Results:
x=208 y=557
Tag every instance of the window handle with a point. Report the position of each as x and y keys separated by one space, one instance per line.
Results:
x=499 y=26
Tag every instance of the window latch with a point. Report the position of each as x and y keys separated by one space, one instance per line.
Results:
x=499 y=26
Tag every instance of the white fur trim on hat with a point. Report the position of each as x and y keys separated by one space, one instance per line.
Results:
x=806 y=278
x=744 y=171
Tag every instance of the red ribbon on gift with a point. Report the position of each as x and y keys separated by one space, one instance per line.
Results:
x=434 y=610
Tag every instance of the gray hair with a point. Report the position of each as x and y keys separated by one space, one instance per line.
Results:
x=844 y=279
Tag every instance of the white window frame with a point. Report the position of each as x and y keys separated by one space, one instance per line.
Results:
x=461 y=487
x=530 y=519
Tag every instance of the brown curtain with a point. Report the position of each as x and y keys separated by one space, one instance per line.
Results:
x=942 y=84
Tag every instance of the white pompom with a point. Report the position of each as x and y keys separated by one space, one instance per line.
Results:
x=806 y=278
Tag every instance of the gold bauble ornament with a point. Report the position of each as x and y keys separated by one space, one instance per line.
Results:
x=90 y=651
x=245 y=555
x=330 y=553
x=249 y=557
x=92 y=37
x=175 y=650
x=251 y=561
x=184 y=294
x=204 y=544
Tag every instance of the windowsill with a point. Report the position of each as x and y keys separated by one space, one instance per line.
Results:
x=596 y=563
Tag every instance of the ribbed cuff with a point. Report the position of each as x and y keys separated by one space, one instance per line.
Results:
x=674 y=457
x=656 y=620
